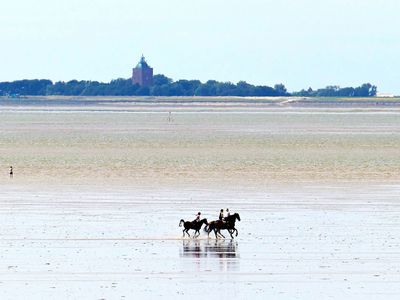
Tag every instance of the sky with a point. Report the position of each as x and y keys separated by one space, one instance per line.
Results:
x=300 y=43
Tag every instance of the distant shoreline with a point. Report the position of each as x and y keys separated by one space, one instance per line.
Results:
x=225 y=102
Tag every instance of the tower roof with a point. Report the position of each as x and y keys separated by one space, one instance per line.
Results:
x=142 y=64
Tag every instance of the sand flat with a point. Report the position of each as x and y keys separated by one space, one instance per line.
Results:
x=298 y=243
x=94 y=207
x=206 y=147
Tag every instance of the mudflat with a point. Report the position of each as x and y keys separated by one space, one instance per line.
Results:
x=98 y=192
x=207 y=143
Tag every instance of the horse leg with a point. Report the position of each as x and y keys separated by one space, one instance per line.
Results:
x=234 y=230
x=215 y=232
x=231 y=233
x=219 y=232
x=187 y=232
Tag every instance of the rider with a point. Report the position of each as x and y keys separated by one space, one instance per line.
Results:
x=197 y=217
x=227 y=215
x=221 y=215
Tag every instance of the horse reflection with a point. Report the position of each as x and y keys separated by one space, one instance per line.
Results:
x=192 y=248
x=210 y=248
x=222 y=249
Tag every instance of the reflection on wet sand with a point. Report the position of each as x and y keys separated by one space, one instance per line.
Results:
x=225 y=251
x=217 y=248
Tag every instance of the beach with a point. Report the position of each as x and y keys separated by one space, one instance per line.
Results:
x=98 y=191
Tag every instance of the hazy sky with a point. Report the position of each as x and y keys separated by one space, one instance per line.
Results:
x=299 y=43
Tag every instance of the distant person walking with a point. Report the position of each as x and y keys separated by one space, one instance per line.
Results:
x=11 y=172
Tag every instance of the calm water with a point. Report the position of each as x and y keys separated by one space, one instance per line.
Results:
x=107 y=243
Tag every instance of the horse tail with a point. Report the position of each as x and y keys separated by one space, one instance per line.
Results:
x=180 y=222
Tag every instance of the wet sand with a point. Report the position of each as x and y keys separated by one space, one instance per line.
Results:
x=116 y=243
x=94 y=207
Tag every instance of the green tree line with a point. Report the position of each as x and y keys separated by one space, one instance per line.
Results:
x=164 y=86
x=365 y=90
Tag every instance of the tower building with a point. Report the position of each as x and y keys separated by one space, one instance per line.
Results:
x=142 y=74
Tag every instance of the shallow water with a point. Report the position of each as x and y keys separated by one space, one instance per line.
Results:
x=298 y=242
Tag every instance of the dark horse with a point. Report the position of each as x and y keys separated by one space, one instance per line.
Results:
x=219 y=225
x=195 y=225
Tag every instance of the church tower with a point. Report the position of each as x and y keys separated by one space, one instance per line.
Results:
x=142 y=74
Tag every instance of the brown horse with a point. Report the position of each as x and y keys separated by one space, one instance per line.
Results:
x=194 y=225
x=219 y=225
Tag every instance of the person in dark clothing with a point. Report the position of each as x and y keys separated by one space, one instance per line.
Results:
x=221 y=215
x=227 y=215
x=197 y=217
x=11 y=172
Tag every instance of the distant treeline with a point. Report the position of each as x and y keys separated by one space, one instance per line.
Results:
x=164 y=86
x=365 y=90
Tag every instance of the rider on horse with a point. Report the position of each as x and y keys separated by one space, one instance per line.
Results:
x=227 y=215
x=221 y=215
x=197 y=217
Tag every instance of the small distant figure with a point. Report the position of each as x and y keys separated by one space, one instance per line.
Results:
x=169 y=117
x=11 y=172
x=221 y=215
x=197 y=217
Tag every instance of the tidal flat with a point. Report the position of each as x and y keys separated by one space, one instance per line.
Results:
x=98 y=191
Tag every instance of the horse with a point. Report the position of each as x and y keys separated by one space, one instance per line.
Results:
x=211 y=226
x=195 y=225
x=229 y=225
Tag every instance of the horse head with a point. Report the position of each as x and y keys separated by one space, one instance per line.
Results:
x=204 y=221
x=237 y=216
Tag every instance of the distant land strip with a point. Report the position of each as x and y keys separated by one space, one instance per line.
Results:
x=164 y=86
